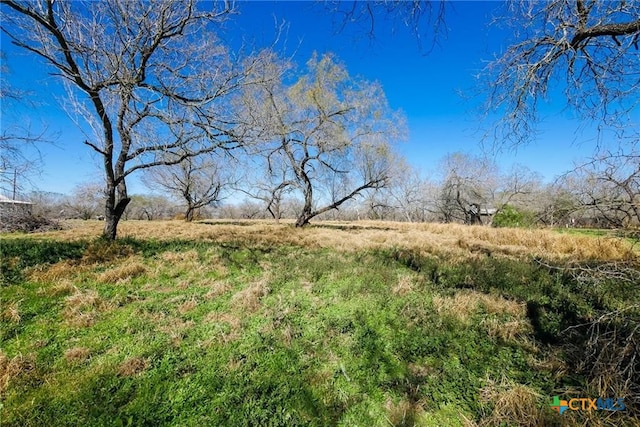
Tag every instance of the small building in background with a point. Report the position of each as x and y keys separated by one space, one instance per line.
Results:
x=9 y=207
x=474 y=214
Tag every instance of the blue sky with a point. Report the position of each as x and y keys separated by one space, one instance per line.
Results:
x=426 y=86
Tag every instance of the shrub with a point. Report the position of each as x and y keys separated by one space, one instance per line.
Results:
x=512 y=217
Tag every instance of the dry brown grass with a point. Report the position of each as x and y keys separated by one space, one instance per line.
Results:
x=232 y=322
x=132 y=366
x=404 y=412
x=64 y=287
x=513 y=404
x=509 y=331
x=466 y=302
x=176 y=329
x=248 y=299
x=82 y=308
x=456 y=239
x=404 y=285
x=132 y=267
x=550 y=360
x=13 y=368
x=187 y=306
x=57 y=272
x=102 y=251
x=179 y=263
x=11 y=313
x=190 y=265
x=216 y=289
x=76 y=354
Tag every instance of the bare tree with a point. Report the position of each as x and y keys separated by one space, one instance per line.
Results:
x=465 y=180
x=412 y=194
x=407 y=197
x=149 y=78
x=332 y=131
x=197 y=181
x=607 y=188
x=270 y=185
x=586 y=48
x=17 y=167
x=150 y=207
x=85 y=201
x=47 y=204
x=423 y=19
x=556 y=204
x=519 y=186
x=473 y=187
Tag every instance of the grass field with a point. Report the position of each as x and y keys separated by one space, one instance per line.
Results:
x=354 y=324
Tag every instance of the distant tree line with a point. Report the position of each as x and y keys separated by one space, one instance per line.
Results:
x=467 y=189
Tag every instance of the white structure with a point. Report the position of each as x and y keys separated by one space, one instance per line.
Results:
x=8 y=206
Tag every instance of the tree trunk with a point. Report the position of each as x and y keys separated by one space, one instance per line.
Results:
x=303 y=220
x=188 y=216
x=113 y=211
x=112 y=217
x=306 y=215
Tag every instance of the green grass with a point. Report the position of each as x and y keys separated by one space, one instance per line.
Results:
x=229 y=334
x=595 y=232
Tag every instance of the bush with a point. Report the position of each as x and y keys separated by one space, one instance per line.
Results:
x=512 y=217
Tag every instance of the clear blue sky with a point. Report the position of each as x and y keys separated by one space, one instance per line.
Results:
x=427 y=87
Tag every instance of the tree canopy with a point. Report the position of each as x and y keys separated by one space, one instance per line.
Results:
x=587 y=49
x=327 y=135
x=149 y=78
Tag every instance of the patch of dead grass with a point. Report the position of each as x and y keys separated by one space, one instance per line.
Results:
x=179 y=263
x=403 y=286
x=15 y=367
x=465 y=303
x=176 y=329
x=57 y=272
x=102 y=251
x=232 y=322
x=187 y=306
x=513 y=404
x=76 y=354
x=11 y=313
x=82 y=308
x=190 y=265
x=132 y=366
x=131 y=268
x=179 y=257
x=216 y=289
x=403 y=412
x=64 y=287
x=249 y=298
x=508 y=331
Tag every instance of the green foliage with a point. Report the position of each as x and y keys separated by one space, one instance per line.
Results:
x=18 y=254
x=33 y=252
x=554 y=297
x=509 y=216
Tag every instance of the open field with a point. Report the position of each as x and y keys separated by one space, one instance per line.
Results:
x=363 y=235
x=367 y=323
